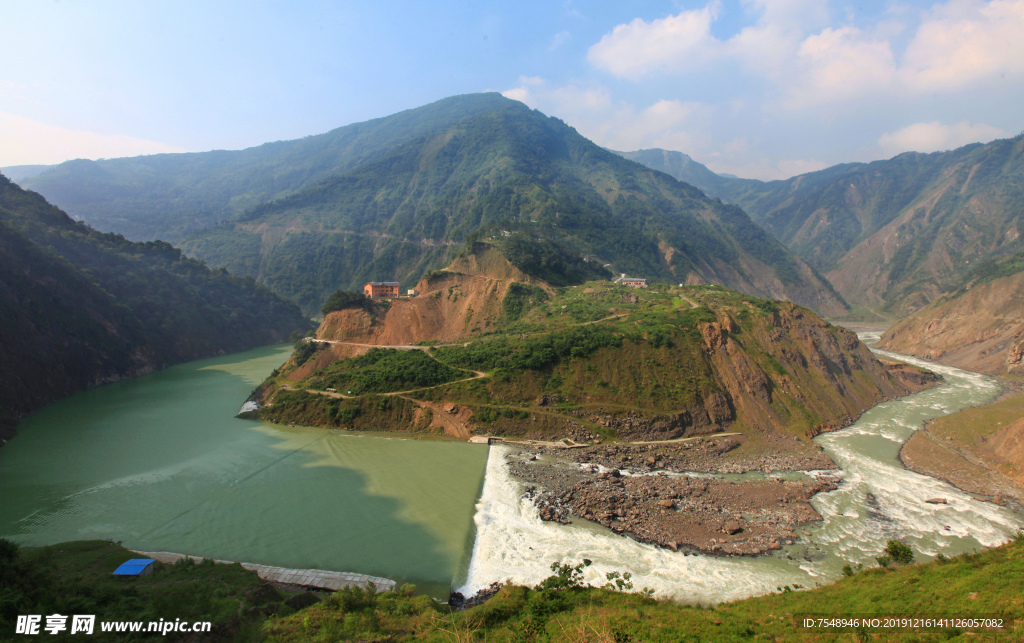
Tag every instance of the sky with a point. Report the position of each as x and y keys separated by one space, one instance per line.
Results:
x=757 y=88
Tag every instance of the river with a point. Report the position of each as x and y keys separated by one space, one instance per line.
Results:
x=877 y=500
x=161 y=464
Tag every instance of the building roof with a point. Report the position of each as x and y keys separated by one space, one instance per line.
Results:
x=382 y=283
x=134 y=567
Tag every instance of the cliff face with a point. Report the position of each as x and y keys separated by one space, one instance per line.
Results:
x=979 y=330
x=808 y=369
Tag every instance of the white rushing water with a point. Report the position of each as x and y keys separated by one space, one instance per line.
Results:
x=877 y=500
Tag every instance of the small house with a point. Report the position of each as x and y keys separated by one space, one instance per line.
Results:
x=136 y=567
x=412 y=292
x=380 y=289
x=634 y=282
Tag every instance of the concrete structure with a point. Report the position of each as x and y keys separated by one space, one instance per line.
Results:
x=634 y=282
x=317 y=578
x=381 y=289
x=412 y=292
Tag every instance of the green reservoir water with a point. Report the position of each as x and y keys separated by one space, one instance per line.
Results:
x=161 y=464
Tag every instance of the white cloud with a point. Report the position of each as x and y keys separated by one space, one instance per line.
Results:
x=559 y=39
x=638 y=48
x=521 y=94
x=670 y=124
x=27 y=142
x=964 y=41
x=813 y=62
x=838 y=64
x=796 y=13
x=563 y=101
x=935 y=137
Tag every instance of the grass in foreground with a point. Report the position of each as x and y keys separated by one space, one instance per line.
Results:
x=76 y=578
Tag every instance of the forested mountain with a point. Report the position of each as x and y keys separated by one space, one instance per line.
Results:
x=890 y=235
x=506 y=171
x=79 y=308
x=164 y=196
x=18 y=173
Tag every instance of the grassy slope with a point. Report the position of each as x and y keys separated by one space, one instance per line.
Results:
x=75 y=578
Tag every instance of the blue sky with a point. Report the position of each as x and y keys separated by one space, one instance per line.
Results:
x=759 y=88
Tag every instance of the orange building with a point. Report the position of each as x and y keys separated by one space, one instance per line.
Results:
x=379 y=289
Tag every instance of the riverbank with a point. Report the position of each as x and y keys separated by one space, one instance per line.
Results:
x=979 y=450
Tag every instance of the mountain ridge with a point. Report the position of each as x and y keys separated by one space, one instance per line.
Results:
x=502 y=171
x=894 y=234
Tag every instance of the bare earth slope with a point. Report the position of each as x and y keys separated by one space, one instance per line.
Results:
x=980 y=330
x=467 y=295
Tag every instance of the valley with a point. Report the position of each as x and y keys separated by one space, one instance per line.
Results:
x=718 y=430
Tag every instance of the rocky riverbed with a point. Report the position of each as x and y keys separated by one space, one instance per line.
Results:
x=702 y=455
x=632 y=490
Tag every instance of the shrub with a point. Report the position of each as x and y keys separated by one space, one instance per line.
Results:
x=342 y=299
x=899 y=552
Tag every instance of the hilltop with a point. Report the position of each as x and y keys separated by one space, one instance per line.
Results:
x=79 y=308
x=504 y=353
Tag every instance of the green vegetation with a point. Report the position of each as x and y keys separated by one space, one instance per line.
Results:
x=533 y=354
x=165 y=196
x=896 y=553
x=549 y=261
x=75 y=578
x=580 y=357
x=385 y=370
x=342 y=299
x=990 y=270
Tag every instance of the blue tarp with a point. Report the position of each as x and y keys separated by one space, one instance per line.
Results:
x=134 y=567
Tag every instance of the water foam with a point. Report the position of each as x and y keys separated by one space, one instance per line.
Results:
x=514 y=544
